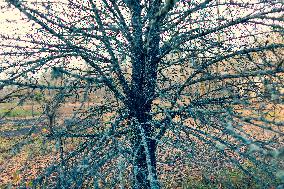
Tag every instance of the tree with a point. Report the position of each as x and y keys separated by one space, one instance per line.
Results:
x=178 y=74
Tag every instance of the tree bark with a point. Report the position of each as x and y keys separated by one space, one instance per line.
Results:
x=145 y=61
x=144 y=146
x=141 y=170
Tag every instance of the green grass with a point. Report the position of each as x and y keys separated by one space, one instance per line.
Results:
x=18 y=113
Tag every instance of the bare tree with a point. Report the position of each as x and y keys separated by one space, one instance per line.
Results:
x=178 y=75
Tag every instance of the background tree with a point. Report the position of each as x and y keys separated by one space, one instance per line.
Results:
x=178 y=75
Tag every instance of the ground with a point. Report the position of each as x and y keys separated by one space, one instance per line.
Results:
x=21 y=166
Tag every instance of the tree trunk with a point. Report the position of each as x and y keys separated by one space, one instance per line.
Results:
x=143 y=82
x=145 y=166
x=143 y=177
x=144 y=147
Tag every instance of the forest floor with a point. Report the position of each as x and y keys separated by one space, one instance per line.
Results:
x=24 y=152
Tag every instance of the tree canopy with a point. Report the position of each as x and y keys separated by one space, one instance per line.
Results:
x=162 y=84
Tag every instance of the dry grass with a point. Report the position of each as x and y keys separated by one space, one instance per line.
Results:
x=23 y=166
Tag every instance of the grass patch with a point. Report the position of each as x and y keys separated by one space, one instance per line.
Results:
x=18 y=113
